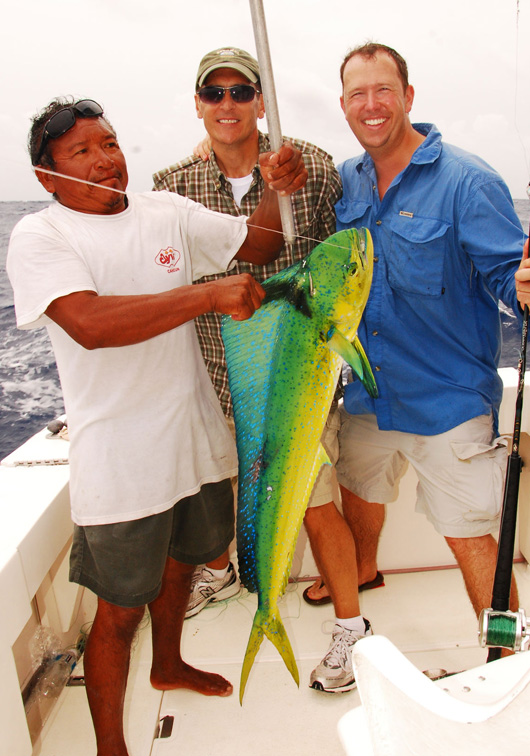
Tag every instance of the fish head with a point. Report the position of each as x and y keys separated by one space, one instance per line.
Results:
x=338 y=274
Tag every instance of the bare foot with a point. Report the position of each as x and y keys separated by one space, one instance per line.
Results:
x=207 y=683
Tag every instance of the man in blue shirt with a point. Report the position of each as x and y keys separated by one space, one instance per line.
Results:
x=448 y=246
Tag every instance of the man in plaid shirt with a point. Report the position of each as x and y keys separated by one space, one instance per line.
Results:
x=236 y=143
x=226 y=178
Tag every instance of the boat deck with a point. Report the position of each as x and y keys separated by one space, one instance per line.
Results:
x=425 y=614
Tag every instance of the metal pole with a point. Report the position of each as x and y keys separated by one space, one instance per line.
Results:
x=271 y=106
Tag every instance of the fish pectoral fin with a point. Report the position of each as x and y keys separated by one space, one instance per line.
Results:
x=322 y=458
x=338 y=343
x=355 y=356
x=365 y=373
x=271 y=626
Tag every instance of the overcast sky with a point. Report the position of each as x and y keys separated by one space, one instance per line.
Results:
x=469 y=62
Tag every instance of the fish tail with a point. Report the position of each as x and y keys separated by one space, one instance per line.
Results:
x=254 y=642
x=272 y=627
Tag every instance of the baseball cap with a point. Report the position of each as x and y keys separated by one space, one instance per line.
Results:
x=227 y=57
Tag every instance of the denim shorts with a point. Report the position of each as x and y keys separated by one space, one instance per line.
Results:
x=123 y=562
x=460 y=473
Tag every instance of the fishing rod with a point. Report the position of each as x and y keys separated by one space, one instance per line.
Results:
x=499 y=627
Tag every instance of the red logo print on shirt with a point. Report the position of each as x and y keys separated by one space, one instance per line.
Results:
x=168 y=258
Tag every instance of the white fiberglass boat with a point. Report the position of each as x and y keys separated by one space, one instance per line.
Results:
x=423 y=609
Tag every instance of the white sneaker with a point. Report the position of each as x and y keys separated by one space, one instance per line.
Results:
x=334 y=674
x=206 y=589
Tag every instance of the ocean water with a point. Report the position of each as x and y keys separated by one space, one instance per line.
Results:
x=30 y=393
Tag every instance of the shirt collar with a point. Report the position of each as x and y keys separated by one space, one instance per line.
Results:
x=431 y=147
x=218 y=176
x=428 y=151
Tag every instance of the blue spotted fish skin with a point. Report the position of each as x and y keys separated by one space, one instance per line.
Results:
x=283 y=366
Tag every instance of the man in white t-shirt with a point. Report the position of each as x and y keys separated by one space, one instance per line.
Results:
x=111 y=276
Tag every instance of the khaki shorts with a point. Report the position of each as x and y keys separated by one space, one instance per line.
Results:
x=326 y=486
x=460 y=473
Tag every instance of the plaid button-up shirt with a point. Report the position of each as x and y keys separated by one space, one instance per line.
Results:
x=314 y=217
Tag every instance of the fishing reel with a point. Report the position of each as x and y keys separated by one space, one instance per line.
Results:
x=503 y=630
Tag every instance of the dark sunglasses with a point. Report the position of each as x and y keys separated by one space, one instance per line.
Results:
x=64 y=119
x=239 y=93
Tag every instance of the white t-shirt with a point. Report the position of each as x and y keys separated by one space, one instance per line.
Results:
x=145 y=424
x=240 y=187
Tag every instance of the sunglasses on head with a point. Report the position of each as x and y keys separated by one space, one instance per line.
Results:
x=64 y=119
x=212 y=95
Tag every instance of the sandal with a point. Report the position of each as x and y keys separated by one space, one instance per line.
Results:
x=316 y=602
x=377 y=582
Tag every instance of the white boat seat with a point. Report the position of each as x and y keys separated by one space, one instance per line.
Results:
x=483 y=710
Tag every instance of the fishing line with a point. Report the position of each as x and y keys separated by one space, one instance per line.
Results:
x=502 y=631
x=235 y=218
x=79 y=180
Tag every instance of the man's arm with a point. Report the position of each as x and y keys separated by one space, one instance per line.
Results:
x=96 y=321
x=114 y=321
x=283 y=172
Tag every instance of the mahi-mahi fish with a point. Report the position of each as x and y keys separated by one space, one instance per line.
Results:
x=283 y=367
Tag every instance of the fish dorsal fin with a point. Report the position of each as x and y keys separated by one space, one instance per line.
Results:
x=292 y=285
x=355 y=356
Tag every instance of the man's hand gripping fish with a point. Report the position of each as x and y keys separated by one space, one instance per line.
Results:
x=283 y=366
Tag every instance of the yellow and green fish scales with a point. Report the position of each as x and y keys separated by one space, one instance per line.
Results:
x=283 y=366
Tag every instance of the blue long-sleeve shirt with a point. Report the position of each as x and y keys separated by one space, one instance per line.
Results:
x=447 y=242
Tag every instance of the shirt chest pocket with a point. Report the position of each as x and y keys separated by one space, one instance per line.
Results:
x=418 y=249
x=351 y=213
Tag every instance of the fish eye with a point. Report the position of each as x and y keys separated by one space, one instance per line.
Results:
x=352 y=268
